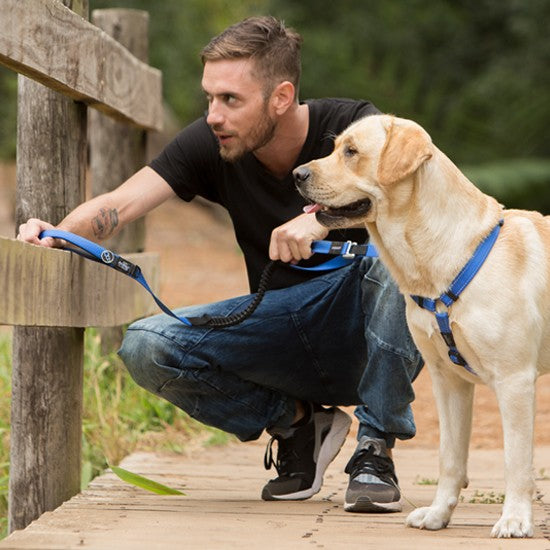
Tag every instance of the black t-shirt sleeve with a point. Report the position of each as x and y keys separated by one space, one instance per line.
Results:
x=187 y=163
x=366 y=108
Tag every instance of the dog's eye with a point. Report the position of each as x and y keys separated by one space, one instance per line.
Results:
x=350 y=151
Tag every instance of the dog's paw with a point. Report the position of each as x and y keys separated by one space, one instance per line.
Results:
x=513 y=526
x=428 y=517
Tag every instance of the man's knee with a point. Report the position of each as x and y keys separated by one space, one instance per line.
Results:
x=148 y=358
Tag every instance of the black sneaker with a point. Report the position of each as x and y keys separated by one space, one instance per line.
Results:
x=304 y=453
x=373 y=484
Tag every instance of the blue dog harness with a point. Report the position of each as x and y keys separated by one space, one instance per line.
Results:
x=450 y=296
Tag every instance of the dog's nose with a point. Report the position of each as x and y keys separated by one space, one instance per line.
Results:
x=301 y=174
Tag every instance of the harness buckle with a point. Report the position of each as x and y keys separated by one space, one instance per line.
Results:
x=346 y=250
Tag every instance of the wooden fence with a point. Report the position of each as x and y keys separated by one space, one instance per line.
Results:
x=65 y=64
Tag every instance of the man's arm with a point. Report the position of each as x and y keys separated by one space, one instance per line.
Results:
x=105 y=215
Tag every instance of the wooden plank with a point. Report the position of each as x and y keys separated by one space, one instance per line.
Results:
x=47 y=42
x=222 y=508
x=56 y=288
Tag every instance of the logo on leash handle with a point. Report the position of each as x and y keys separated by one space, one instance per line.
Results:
x=107 y=257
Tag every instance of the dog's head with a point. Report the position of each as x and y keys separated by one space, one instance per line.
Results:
x=367 y=172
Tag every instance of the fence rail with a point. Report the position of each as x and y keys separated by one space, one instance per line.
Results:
x=56 y=288
x=46 y=41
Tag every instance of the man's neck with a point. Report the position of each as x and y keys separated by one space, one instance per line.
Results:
x=280 y=154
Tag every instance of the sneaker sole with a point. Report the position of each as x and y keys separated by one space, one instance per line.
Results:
x=327 y=453
x=364 y=505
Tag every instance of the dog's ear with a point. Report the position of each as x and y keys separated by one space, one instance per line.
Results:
x=406 y=148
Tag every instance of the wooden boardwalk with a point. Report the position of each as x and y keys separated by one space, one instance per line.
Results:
x=222 y=508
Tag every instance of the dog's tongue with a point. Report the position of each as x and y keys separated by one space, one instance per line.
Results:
x=311 y=208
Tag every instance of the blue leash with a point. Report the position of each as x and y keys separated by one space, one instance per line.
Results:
x=346 y=252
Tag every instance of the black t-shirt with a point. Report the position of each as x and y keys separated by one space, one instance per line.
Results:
x=257 y=201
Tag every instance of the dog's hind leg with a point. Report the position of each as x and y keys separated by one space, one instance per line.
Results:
x=454 y=398
x=516 y=399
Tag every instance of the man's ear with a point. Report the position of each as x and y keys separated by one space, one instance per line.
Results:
x=282 y=97
x=406 y=149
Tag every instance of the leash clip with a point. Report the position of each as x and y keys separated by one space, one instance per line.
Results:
x=346 y=250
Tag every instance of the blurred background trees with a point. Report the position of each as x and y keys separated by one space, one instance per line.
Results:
x=474 y=73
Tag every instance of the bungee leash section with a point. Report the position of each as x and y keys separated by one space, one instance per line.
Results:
x=345 y=253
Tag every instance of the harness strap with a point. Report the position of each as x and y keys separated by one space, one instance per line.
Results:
x=346 y=252
x=451 y=295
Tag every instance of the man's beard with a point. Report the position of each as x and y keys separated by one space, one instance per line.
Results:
x=261 y=135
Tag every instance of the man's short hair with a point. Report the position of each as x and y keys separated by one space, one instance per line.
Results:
x=274 y=48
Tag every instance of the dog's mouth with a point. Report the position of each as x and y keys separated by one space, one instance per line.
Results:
x=329 y=215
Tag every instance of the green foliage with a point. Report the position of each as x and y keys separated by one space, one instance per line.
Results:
x=480 y=497
x=8 y=113
x=5 y=392
x=474 y=73
x=520 y=183
x=144 y=482
x=178 y=32
x=425 y=481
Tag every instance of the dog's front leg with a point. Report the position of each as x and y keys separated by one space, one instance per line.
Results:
x=454 y=399
x=516 y=399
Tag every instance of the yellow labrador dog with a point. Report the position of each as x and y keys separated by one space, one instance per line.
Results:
x=427 y=221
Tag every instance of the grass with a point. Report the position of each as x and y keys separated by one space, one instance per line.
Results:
x=481 y=497
x=118 y=417
x=425 y=481
x=5 y=392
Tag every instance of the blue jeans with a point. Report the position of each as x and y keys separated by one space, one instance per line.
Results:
x=339 y=339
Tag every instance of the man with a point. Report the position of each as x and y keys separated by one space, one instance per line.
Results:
x=337 y=338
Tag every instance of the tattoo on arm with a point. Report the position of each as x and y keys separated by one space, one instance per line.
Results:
x=105 y=222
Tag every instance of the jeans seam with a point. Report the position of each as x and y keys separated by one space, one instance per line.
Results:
x=309 y=349
x=375 y=281
x=387 y=347
x=228 y=396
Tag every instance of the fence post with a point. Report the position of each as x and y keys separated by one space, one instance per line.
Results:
x=46 y=415
x=118 y=150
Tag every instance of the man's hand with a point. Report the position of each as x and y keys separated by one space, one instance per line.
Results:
x=29 y=232
x=291 y=242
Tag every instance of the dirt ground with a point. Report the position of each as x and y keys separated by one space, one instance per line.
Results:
x=200 y=262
